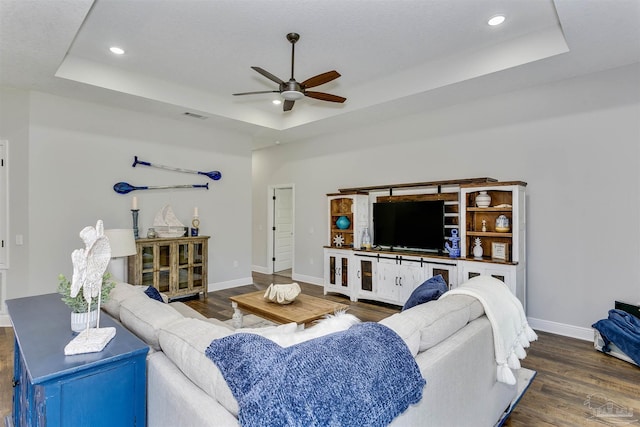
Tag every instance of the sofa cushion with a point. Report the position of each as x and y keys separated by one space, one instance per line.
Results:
x=430 y=290
x=441 y=321
x=425 y=325
x=184 y=342
x=119 y=293
x=144 y=317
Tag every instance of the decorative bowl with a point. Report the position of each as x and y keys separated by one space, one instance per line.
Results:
x=282 y=294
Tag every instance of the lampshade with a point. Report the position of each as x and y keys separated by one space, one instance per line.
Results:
x=122 y=242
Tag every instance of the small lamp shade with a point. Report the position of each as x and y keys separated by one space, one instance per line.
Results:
x=122 y=242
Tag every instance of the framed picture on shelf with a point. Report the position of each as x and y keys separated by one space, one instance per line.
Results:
x=500 y=251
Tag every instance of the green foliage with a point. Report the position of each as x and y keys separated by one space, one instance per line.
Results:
x=79 y=304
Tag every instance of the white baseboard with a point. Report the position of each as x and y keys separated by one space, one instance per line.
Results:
x=578 y=332
x=260 y=269
x=308 y=279
x=212 y=287
x=5 y=321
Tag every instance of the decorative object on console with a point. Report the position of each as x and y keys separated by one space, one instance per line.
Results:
x=454 y=249
x=125 y=187
x=366 y=239
x=123 y=244
x=134 y=220
x=502 y=224
x=167 y=224
x=89 y=265
x=477 y=249
x=483 y=200
x=338 y=240
x=500 y=251
x=78 y=304
x=195 y=222
x=484 y=225
x=151 y=234
x=343 y=223
x=214 y=175
x=282 y=294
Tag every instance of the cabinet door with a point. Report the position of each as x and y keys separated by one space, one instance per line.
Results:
x=364 y=276
x=162 y=267
x=448 y=272
x=197 y=270
x=337 y=269
x=387 y=276
x=184 y=266
x=411 y=275
x=504 y=273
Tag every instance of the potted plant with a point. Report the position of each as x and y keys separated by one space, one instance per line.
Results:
x=79 y=305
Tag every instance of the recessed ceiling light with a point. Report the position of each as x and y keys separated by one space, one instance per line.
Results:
x=116 y=50
x=496 y=20
x=276 y=102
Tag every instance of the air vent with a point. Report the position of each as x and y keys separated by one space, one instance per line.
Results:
x=195 y=116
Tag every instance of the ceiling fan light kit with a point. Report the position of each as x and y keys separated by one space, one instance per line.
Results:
x=291 y=90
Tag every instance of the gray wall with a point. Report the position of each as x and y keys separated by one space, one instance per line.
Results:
x=65 y=156
x=575 y=142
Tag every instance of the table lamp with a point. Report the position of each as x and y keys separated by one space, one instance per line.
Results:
x=122 y=244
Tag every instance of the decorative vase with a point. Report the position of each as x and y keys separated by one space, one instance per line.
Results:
x=483 y=200
x=502 y=224
x=366 y=238
x=477 y=249
x=79 y=320
x=343 y=223
x=454 y=249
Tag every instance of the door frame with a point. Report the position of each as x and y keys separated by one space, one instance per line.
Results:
x=271 y=223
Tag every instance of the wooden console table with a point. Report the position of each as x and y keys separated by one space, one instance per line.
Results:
x=107 y=388
x=175 y=266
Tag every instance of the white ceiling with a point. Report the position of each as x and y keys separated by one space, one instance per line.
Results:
x=396 y=57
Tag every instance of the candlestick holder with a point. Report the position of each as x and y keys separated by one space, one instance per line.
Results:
x=195 y=222
x=134 y=213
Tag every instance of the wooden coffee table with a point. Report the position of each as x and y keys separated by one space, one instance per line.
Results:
x=304 y=310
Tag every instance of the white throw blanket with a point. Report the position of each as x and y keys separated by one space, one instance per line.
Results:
x=511 y=331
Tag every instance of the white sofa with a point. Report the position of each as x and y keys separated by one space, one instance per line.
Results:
x=451 y=340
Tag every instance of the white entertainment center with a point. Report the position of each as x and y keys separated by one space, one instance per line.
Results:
x=389 y=276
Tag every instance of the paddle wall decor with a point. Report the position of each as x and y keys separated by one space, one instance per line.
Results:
x=124 y=187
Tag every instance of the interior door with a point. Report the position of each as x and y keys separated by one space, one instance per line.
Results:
x=283 y=229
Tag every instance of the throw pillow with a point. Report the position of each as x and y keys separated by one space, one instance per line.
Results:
x=153 y=293
x=432 y=289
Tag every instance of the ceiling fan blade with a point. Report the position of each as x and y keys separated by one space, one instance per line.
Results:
x=320 y=79
x=268 y=75
x=254 y=93
x=324 y=96
x=288 y=105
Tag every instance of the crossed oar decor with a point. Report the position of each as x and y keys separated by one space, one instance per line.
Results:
x=124 y=188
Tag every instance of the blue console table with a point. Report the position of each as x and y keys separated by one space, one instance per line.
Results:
x=94 y=389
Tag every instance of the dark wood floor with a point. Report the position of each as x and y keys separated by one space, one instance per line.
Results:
x=573 y=379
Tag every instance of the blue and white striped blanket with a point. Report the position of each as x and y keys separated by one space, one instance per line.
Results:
x=364 y=376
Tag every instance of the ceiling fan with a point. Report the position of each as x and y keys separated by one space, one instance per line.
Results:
x=292 y=90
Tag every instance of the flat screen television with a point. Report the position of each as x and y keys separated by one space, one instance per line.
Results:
x=411 y=225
